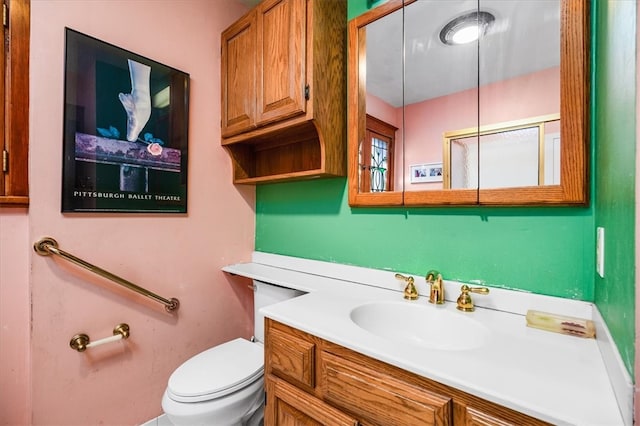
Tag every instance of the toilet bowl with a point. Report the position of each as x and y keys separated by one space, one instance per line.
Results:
x=220 y=386
x=224 y=385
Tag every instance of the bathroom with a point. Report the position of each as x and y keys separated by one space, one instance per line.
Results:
x=43 y=303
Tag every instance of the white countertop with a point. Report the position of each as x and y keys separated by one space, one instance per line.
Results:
x=557 y=378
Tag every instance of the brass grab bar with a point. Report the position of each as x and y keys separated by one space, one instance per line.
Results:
x=48 y=246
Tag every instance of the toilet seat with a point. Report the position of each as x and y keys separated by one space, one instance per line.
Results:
x=217 y=372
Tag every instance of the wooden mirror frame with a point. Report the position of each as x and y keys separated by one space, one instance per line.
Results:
x=574 y=112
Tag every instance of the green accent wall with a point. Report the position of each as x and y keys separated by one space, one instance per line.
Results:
x=548 y=250
x=615 y=139
x=541 y=250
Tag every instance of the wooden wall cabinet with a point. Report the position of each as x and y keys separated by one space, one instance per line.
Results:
x=284 y=91
x=310 y=381
x=14 y=112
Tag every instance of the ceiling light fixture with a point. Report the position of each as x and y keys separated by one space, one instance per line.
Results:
x=466 y=28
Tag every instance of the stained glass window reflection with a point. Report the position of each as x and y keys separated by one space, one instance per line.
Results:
x=379 y=164
x=376 y=157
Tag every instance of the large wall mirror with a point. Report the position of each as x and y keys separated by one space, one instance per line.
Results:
x=498 y=119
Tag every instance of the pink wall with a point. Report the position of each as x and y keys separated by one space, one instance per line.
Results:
x=426 y=122
x=14 y=317
x=174 y=255
x=383 y=111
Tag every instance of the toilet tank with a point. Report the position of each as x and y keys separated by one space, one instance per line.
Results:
x=264 y=295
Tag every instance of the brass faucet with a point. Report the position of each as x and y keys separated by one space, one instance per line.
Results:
x=436 y=294
x=464 y=301
x=410 y=291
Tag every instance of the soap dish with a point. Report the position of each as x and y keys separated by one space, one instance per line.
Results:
x=561 y=324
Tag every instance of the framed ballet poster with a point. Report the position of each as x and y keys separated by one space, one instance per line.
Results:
x=125 y=131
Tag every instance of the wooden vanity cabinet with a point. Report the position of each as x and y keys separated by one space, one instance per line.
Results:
x=310 y=381
x=284 y=91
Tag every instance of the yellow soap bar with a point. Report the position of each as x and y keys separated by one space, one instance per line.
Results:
x=561 y=324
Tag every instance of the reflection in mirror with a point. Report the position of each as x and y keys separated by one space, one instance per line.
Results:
x=441 y=80
x=519 y=78
x=376 y=157
x=525 y=153
x=379 y=154
x=506 y=74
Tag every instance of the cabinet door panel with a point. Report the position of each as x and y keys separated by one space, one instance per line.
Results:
x=289 y=406
x=291 y=358
x=281 y=59
x=239 y=76
x=380 y=398
x=487 y=414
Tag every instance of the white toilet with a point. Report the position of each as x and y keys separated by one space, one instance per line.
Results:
x=223 y=386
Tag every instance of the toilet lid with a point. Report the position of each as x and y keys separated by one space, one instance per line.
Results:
x=218 y=371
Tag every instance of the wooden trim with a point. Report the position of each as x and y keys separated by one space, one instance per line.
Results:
x=433 y=198
x=3 y=73
x=16 y=94
x=13 y=201
x=328 y=89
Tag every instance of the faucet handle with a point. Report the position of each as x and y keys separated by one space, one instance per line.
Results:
x=410 y=291
x=432 y=276
x=465 y=303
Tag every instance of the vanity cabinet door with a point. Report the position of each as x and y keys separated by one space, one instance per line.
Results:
x=288 y=406
x=487 y=414
x=291 y=358
x=377 y=397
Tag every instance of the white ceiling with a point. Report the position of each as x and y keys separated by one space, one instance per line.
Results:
x=525 y=37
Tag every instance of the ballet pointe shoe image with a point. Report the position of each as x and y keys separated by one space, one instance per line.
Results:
x=137 y=104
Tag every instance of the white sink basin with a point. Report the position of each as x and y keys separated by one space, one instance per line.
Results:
x=423 y=325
